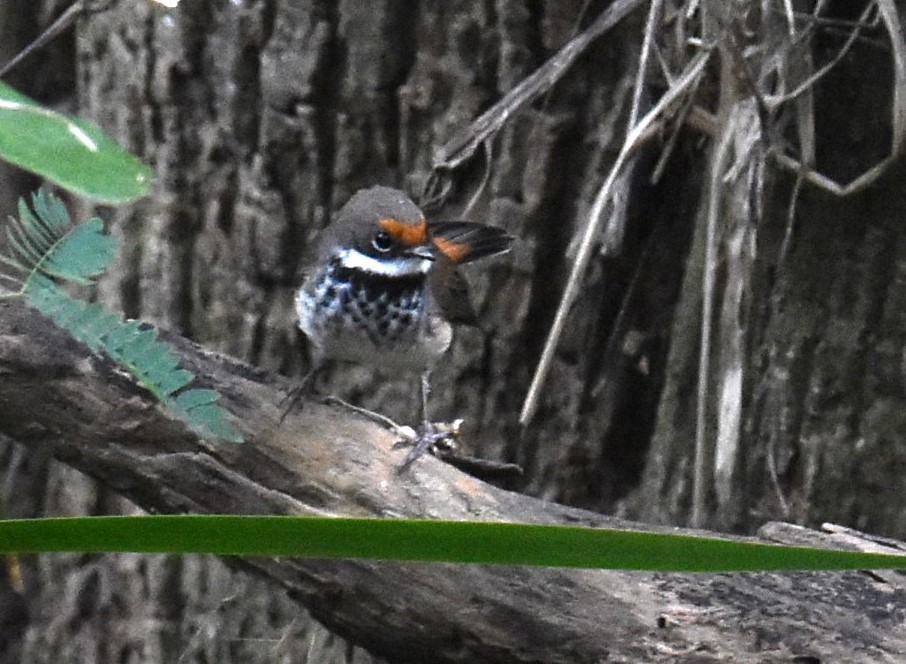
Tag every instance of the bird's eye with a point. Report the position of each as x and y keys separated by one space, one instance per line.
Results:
x=382 y=242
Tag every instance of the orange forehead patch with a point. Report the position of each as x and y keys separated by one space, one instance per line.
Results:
x=407 y=234
x=455 y=251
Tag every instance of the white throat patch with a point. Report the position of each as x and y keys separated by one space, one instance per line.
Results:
x=397 y=267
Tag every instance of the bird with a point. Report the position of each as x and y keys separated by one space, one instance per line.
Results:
x=384 y=289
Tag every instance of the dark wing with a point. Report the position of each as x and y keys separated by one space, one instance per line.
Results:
x=450 y=292
x=466 y=241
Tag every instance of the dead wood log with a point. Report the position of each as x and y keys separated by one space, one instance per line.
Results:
x=56 y=394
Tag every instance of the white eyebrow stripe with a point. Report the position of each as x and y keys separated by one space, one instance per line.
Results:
x=353 y=258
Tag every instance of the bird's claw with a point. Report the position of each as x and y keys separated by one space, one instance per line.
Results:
x=431 y=437
x=434 y=437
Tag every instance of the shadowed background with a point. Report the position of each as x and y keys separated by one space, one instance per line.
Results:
x=261 y=118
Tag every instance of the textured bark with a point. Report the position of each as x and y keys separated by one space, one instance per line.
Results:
x=25 y=489
x=322 y=461
x=808 y=319
x=257 y=145
x=262 y=117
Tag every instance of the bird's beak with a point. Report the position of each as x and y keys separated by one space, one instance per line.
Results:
x=425 y=252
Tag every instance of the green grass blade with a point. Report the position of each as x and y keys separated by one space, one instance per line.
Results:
x=71 y=152
x=417 y=540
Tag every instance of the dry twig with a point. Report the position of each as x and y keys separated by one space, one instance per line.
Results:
x=463 y=144
x=891 y=20
x=636 y=137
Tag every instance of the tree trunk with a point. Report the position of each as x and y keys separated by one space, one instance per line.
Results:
x=807 y=332
x=323 y=461
x=261 y=118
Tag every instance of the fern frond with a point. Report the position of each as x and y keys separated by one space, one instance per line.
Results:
x=48 y=244
x=139 y=351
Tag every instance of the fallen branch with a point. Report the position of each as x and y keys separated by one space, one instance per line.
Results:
x=322 y=460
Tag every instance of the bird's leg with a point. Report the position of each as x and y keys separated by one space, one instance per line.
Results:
x=305 y=386
x=426 y=392
x=429 y=435
x=432 y=433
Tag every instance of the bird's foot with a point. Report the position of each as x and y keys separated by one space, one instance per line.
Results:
x=430 y=435
x=438 y=438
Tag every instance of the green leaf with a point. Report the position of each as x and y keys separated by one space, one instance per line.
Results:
x=48 y=244
x=51 y=247
x=86 y=253
x=74 y=153
x=209 y=420
x=195 y=398
x=174 y=381
x=422 y=540
x=137 y=350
